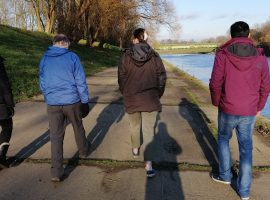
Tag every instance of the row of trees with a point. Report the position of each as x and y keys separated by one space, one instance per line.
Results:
x=104 y=20
x=261 y=33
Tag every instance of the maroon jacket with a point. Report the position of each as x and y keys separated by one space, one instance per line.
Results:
x=141 y=79
x=240 y=82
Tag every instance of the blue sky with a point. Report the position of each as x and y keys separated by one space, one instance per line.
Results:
x=210 y=18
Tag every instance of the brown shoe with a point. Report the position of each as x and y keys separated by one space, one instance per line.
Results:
x=89 y=150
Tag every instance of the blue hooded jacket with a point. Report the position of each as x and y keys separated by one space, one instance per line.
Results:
x=62 y=79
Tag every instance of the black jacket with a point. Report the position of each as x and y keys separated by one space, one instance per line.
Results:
x=6 y=97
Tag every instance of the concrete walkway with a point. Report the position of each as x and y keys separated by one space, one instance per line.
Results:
x=182 y=136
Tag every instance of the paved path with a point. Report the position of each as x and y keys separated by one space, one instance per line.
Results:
x=182 y=136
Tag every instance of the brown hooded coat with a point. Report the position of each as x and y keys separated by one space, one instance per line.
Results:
x=141 y=79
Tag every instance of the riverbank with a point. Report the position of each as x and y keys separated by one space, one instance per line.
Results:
x=200 y=94
x=200 y=66
x=202 y=50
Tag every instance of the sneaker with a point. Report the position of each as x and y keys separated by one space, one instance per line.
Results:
x=244 y=198
x=150 y=173
x=220 y=180
x=135 y=155
x=55 y=179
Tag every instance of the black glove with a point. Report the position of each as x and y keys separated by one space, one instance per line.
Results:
x=84 y=109
x=6 y=112
x=11 y=111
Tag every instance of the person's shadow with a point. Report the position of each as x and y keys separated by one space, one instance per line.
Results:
x=112 y=113
x=198 y=120
x=39 y=142
x=167 y=183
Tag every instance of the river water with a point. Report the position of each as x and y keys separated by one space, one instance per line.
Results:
x=200 y=66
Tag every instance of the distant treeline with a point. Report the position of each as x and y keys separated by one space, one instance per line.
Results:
x=266 y=48
x=185 y=46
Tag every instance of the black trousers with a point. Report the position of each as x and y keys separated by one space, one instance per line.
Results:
x=6 y=126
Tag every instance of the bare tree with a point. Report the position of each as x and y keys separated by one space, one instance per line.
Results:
x=4 y=12
x=103 y=20
x=45 y=14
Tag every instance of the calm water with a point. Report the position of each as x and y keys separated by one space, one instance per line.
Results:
x=200 y=66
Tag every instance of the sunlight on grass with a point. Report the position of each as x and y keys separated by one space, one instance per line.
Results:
x=23 y=50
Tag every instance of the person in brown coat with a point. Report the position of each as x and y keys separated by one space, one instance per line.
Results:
x=141 y=79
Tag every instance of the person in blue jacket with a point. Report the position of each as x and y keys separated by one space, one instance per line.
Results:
x=63 y=84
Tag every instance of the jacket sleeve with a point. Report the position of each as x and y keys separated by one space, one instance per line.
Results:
x=122 y=75
x=80 y=80
x=162 y=76
x=264 y=86
x=217 y=79
x=5 y=87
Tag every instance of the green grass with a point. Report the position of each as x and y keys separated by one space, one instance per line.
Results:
x=192 y=48
x=23 y=50
x=115 y=165
x=201 y=50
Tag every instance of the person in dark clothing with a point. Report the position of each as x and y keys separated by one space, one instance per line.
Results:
x=239 y=86
x=141 y=79
x=6 y=113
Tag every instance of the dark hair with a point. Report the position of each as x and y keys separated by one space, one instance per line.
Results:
x=139 y=34
x=61 y=38
x=239 y=29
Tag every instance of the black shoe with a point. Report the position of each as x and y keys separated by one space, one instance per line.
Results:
x=3 y=163
x=150 y=173
x=3 y=152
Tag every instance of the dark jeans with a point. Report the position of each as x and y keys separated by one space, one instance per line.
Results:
x=6 y=126
x=58 y=118
x=243 y=126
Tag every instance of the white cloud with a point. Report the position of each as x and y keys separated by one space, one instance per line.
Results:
x=190 y=16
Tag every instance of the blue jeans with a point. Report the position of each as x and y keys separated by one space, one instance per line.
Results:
x=244 y=128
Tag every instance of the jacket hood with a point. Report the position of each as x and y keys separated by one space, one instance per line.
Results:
x=54 y=51
x=241 y=52
x=140 y=53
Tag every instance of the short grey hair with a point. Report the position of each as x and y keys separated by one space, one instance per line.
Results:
x=61 y=38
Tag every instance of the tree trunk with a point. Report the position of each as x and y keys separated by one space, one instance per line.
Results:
x=121 y=42
x=37 y=12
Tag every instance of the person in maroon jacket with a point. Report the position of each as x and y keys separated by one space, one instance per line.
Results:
x=142 y=78
x=239 y=87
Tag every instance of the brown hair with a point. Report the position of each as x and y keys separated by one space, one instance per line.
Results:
x=139 y=34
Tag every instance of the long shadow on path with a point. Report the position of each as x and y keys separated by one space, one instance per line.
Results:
x=36 y=144
x=30 y=149
x=167 y=183
x=198 y=120
x=109 y=115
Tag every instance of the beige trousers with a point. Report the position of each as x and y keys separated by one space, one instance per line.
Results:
x=142 y=124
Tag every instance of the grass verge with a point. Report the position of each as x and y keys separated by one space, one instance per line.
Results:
x=201 y=50
x=114 y=165
x=23 y=50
